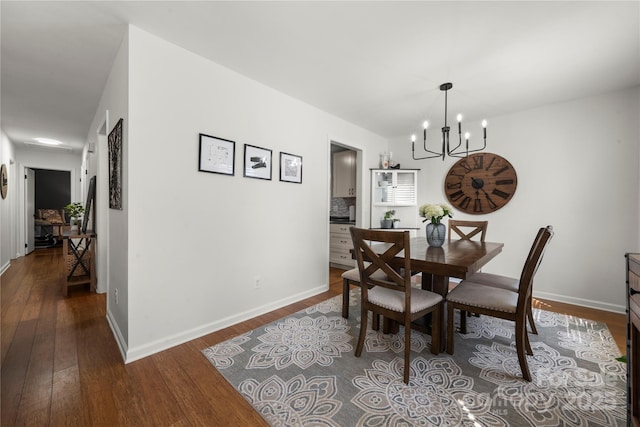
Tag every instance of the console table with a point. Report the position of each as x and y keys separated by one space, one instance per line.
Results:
x=78 y=250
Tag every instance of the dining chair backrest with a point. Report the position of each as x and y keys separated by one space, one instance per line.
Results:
x=396 y=276
x=477 y=227
x=532 y=263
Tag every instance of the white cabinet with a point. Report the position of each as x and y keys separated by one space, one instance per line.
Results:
x=344 y=174
x=394 y=187
x=340 y=245
x=395 y=190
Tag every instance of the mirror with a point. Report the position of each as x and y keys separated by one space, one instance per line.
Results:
x=91 y=194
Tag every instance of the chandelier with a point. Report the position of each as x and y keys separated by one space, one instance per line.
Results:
x=460 y=150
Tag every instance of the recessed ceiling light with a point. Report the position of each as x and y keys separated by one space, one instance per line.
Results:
x=48 y=141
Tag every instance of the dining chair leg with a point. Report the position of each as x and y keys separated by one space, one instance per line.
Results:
x=463 y=322
x=363 y=332
x=436 y=315
x=345 y=298
x=407 y=352
x=521 y=343
x=375 y=322
x=530 y=317
x=450 y=327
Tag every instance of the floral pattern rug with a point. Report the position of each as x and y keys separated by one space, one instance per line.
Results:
x=301 y=371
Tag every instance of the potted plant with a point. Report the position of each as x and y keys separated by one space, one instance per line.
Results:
x=396 y=223
x=75 y=211
x=387 y=221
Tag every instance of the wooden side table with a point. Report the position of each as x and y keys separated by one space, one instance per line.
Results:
x=78 y=250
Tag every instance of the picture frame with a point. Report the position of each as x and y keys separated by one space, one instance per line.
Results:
x=217 y=155
x=290 y=168
x=114 y=143
x=257 y=162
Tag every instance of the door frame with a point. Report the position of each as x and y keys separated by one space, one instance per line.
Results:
x=21 y=202
x=362 y=198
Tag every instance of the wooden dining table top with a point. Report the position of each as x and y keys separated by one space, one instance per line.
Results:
x=456 y=258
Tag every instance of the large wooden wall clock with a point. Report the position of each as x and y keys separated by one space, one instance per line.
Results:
x=4 y=181
x=480 y=183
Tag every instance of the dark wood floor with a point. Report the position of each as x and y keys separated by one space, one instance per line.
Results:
x=61 y=365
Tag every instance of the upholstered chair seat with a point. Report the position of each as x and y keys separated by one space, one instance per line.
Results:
x=394 y=300
x=482 y=296
x=496 y=281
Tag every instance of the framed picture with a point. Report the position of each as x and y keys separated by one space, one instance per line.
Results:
x=217 y=155
x=257 y=162
x=115 y=166
x=290 y=168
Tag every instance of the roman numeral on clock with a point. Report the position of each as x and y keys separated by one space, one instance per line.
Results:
x=454 y=185
x=499 y=171
x=477 y=205
x=492 y=204
x=477 y=162
x=466 y=166
x=455 y=196
x=500 y=193
x=464 y=204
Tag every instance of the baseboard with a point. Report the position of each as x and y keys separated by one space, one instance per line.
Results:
x=122 y=344
x=5 y=267
x=615 y=308
x=165 y=343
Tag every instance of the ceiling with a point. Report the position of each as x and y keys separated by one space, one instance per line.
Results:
x=375 y=64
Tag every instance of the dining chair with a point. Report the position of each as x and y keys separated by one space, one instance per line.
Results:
x=459 y=226
x=392 y=297
x=502 y=303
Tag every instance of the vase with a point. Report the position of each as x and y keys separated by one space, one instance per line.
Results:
x=386 y=223
x=436 y=234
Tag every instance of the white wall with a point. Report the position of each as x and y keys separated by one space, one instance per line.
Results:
x=112 y=224
x=577 y=165
x=198 y=241
x=7 y=206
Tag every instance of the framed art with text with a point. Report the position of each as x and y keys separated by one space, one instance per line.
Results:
x=257 y=162
x=290 y=168
x=217 y=155
x=115 y=166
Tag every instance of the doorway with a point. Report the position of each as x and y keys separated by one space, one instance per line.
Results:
x=345 y=201
x=45 y=190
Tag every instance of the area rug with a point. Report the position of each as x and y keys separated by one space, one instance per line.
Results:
x=301 y=371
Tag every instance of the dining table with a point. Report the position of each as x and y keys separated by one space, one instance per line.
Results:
x=455 y=258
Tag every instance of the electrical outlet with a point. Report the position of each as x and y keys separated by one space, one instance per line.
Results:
x=257 y=283
x=115 y=293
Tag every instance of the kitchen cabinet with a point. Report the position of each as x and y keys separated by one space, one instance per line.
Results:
x=340 y=245
x=394 y=187
x=344 y=174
